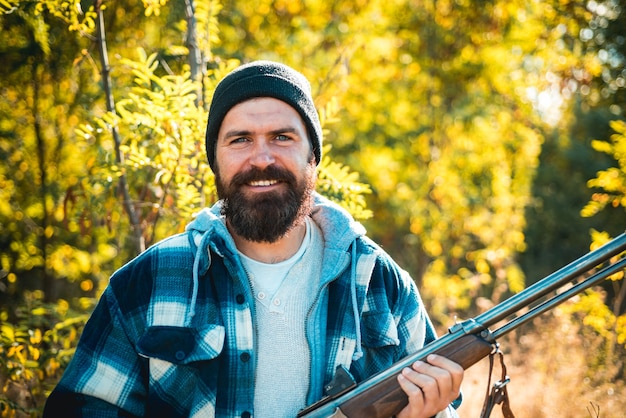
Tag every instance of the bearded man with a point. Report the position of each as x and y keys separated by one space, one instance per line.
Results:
x=250 y=312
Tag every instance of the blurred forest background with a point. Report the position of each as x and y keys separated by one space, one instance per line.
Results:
x=482 y=144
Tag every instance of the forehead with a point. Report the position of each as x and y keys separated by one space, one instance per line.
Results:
x=262 y=110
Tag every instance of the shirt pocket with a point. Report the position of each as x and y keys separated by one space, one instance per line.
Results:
x=183 y=368
x=381 y=346
x=180 y=345
x=379 y=329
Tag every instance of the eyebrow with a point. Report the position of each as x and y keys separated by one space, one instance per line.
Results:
x=233 y=133
x=245 y=132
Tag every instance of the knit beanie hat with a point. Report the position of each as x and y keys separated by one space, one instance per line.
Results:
x=263 y=79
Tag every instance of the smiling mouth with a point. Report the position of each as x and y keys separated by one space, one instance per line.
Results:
x=263 y=183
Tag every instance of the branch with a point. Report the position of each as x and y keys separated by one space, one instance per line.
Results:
x=136 y=229
x=195 y=58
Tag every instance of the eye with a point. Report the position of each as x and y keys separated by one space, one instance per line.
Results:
x=239 y=140
x=283 y=138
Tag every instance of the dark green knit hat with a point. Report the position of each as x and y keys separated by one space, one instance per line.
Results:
x=263 y=79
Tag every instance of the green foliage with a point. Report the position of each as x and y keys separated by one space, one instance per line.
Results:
x=611 y=182
x=450 y=162
x=8 y=6
x=610 y=191
x=62 y=212
x=440 y=107
x=600 y=311
x=207 y=21
x=35 y=348
x=340 y=185
x=162 y=150
x=597 y=315
x=335 y=180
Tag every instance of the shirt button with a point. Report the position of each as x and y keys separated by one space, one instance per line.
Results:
x=276 y=302
x=261 y=295
x=240 y=299
x=246 y=414
x=245 y=357
x=180 y=355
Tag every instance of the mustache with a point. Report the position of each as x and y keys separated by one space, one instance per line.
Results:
x=269 y=173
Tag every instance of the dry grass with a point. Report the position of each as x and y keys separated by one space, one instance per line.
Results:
x=554 y=371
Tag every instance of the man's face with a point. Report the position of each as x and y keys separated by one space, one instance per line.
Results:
x=265 y=169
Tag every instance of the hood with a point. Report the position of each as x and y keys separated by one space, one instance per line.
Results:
x=340 y=230
x=207 y=219
x=207 y=232
x=339 y=227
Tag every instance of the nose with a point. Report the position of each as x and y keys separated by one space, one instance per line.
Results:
x=262 y=155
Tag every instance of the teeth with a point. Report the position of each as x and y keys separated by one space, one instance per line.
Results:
x=262 y=183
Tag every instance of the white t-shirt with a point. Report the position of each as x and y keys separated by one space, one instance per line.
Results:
x=284 y=293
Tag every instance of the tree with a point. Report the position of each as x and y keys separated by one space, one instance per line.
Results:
x=585 y=97
x=104 y=168
x=603 y=309
x=469 y=122
x=431 y=97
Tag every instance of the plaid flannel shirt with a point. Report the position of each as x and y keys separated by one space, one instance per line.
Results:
x=173 y=334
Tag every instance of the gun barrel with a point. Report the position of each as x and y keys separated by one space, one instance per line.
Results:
x=553 y=282
x=560 y=298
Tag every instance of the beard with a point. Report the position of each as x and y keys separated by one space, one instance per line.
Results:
x=267 y=216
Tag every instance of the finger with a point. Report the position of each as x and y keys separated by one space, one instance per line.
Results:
x=429 y=379
x=454 y=369
x=423 y=390
x=409 y=382
x=434 y=381
x=433 y=371
x=417 y=402
x=438 y=383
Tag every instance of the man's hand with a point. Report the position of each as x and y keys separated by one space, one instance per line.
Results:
x=430 y=386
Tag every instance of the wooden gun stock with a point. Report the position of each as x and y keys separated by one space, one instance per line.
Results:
x=387 y=398
x=381 y=396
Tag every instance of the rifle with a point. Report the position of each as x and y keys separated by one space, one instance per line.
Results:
x=467 y=342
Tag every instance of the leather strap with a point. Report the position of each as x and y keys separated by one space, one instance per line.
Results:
x=498 y=393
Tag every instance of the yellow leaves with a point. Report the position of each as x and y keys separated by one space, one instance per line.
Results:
x=287 y=6
x=153 y=7
x=596 y=313
x=62 y=307
x=433 y=247
x=482 y=266
x=328 y=114
x=382 y=160
x=7 y=332
x=592 y=65
x=515 y=277
x=52 y=367
x=619 y=126
x=69 y=262
x=7 y=188
x=71 y=12
x=86 y=285
x=339 y=184
x=621 y=330
x=8 y=6
x=599 y=238
x=17 y=352
x=20 y=347
x=39 y=311
x=33 y=351
x=161 y=124
x=612 y=181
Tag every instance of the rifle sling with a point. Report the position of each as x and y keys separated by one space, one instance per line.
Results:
x=498 y=393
